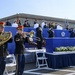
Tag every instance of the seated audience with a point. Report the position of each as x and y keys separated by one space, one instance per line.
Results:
x=67 y=27
x=8 y=23
x=59 y=27
x=42 y=24
x=19 y=23
x=15 y=24
x=36 y=25
x=45 y=26
x=35 y=21
x=26 y=23
x=52 y=25
x=49 y=25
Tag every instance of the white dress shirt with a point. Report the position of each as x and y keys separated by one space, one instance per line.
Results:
x=59 y=27
x=42 y=25
x=14 y=25
x=36 y=25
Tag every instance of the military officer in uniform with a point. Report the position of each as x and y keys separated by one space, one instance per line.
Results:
x=20 y=38
x=50 y=33
x=3 y=48
x=39 y=35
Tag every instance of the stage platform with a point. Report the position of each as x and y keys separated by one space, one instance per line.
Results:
x=55 y=60
x=52 y=43
x=61 y=59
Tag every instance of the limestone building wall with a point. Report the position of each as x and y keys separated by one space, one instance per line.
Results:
x=40 y=19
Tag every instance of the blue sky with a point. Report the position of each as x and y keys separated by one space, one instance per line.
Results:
x=52 y=8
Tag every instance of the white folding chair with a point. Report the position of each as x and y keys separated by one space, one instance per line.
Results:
x=10 y=65
x=40 y=56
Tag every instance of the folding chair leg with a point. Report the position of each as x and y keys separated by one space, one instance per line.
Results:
x=46 y=63
x=6 y=72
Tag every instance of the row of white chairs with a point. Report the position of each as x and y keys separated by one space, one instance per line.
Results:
x=11 y=65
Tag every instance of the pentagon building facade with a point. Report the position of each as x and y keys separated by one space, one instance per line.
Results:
x=39 y=19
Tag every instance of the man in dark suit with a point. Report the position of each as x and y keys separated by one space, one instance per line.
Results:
x=39 y=35
x=3 y=48
x=20 y=40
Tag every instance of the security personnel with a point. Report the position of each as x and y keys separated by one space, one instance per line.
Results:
x=3 y=49
x=20 y=39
